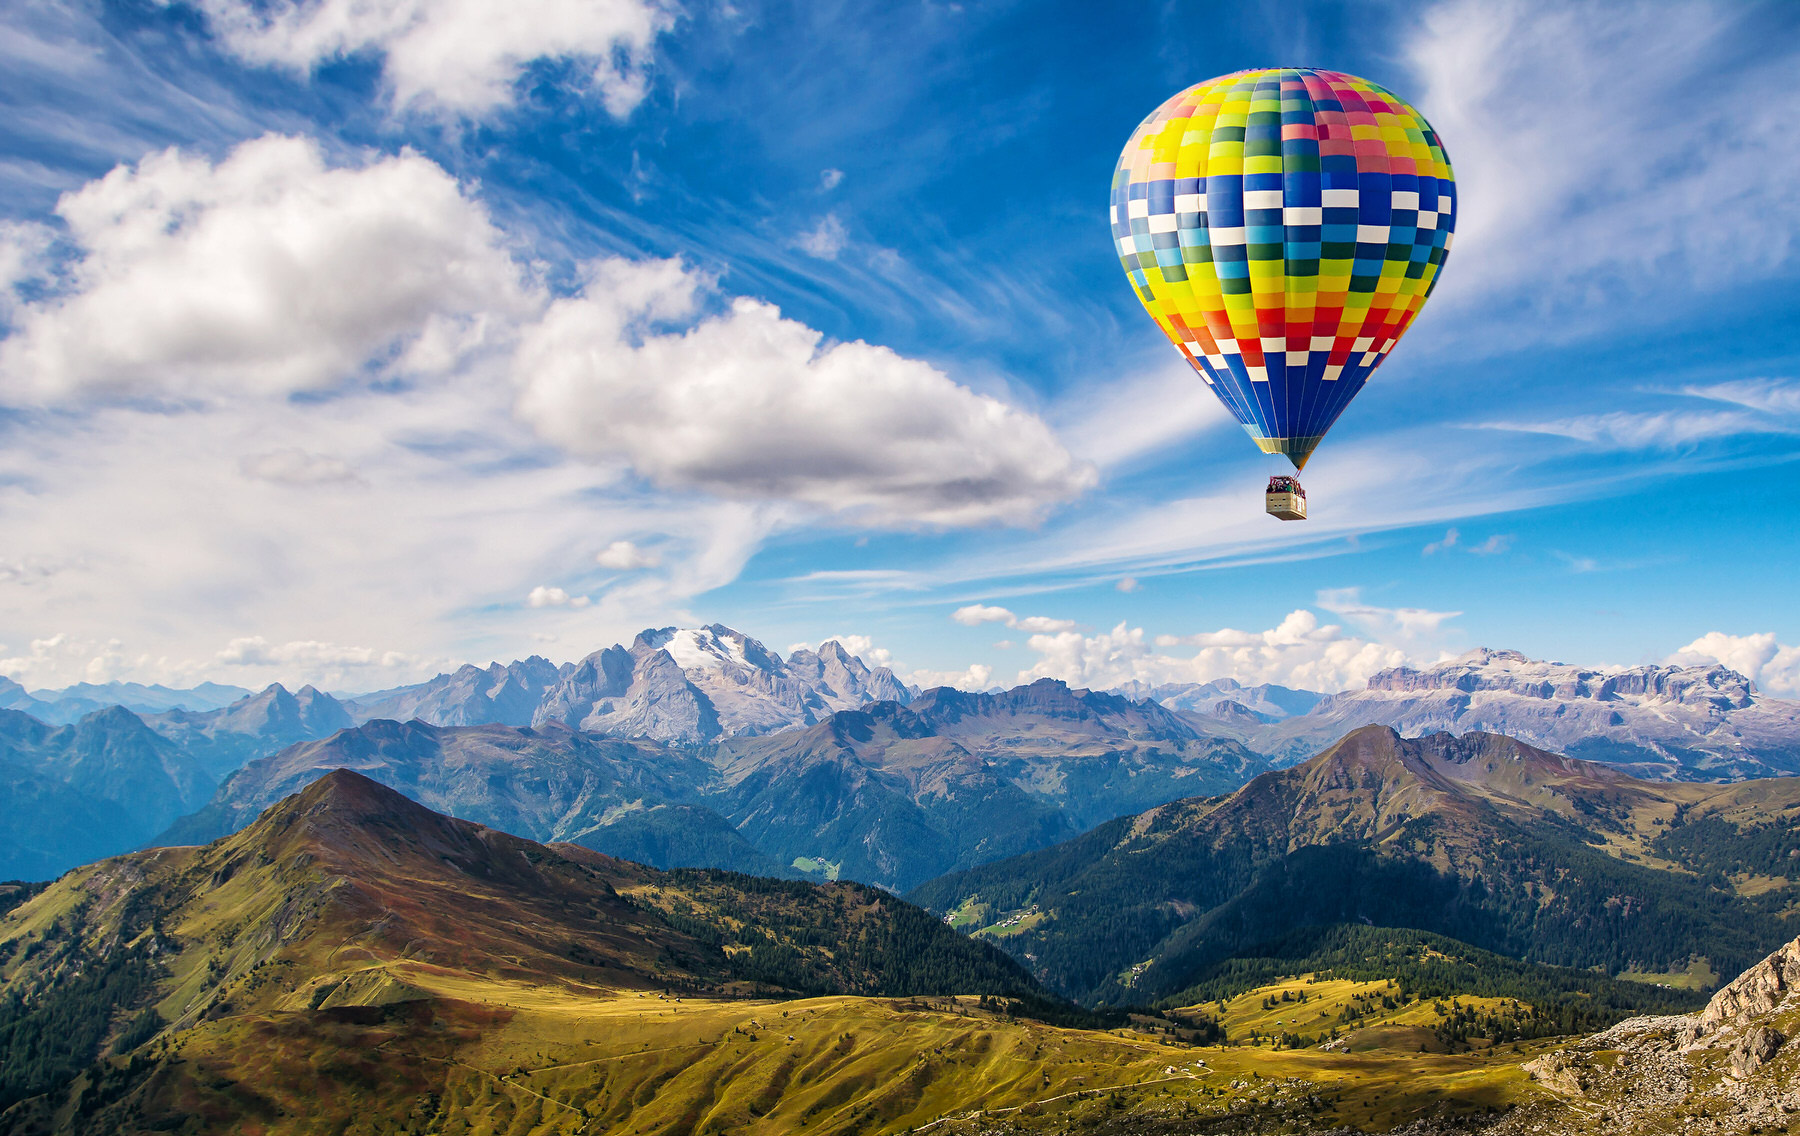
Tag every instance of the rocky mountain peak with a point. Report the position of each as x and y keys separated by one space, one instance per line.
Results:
x=700 y=684
x=1706 y=721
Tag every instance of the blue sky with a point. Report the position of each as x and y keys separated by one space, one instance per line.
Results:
x=345 y=342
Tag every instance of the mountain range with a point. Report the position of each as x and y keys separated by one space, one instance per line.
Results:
x=685 y=685
x=73 y=793
x=68 y=705
x=1691 y=722
x=887 y=794
x=1482 y=838
x=1032 y=771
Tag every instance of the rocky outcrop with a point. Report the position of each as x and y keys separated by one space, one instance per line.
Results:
x=506 y=695
x=1731 y=1067
x=1770 y=985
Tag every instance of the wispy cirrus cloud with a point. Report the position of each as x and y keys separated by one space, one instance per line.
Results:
x=1574 y=190
x=1770 y=396
x=1636 y=430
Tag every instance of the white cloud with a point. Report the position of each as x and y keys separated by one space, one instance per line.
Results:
x=624 y=556
x=266 y=273
x=1774 y=668
x=1405 y=622
x=824 y=240
x=1573 y=187
x=1115 y=422
x=747 y=404
x=974 y=615
x=1299 y=652
x=1128 y=584
x=1451 y=536
x=830 y=179
x=459 y=56
x=1639 y=430
x=545 y=596
x=976 y=677
x=1770 y=396
x=255 y=651
x=1493 y=545
x=293 y=466
x=71 y=658
x=24 y=248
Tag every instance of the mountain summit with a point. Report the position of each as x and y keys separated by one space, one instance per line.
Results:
x=1480 y=837
x=697 y=685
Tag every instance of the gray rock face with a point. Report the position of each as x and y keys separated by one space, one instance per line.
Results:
x=698 y=685
x=1687 y=722
x=844 y=681
x=1728 y=1069
x=1754 y=1050
x=506 y=695
x=1756 y=993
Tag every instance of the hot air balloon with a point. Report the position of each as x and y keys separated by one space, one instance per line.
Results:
x=1283 y=227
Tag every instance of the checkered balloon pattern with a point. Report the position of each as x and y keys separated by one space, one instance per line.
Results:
x=1283 y=227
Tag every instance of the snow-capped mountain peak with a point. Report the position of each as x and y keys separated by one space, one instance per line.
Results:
x=703 y=648
x=703 y=683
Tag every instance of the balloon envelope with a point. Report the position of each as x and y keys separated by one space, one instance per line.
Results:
x=1283 y=227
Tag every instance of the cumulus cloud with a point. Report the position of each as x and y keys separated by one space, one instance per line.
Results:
x=1298 y=652
x=830 y=179
x=974 y=615
x=624 y=556
x=459 y=56
x=294 y=466
x=269 y=272
x=1774 y=667
x=824 y=240
x=976 y=677
x=545 y=596
x=255 y=651
x=1128 y=584
x=744 y=403
x=65 y=656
